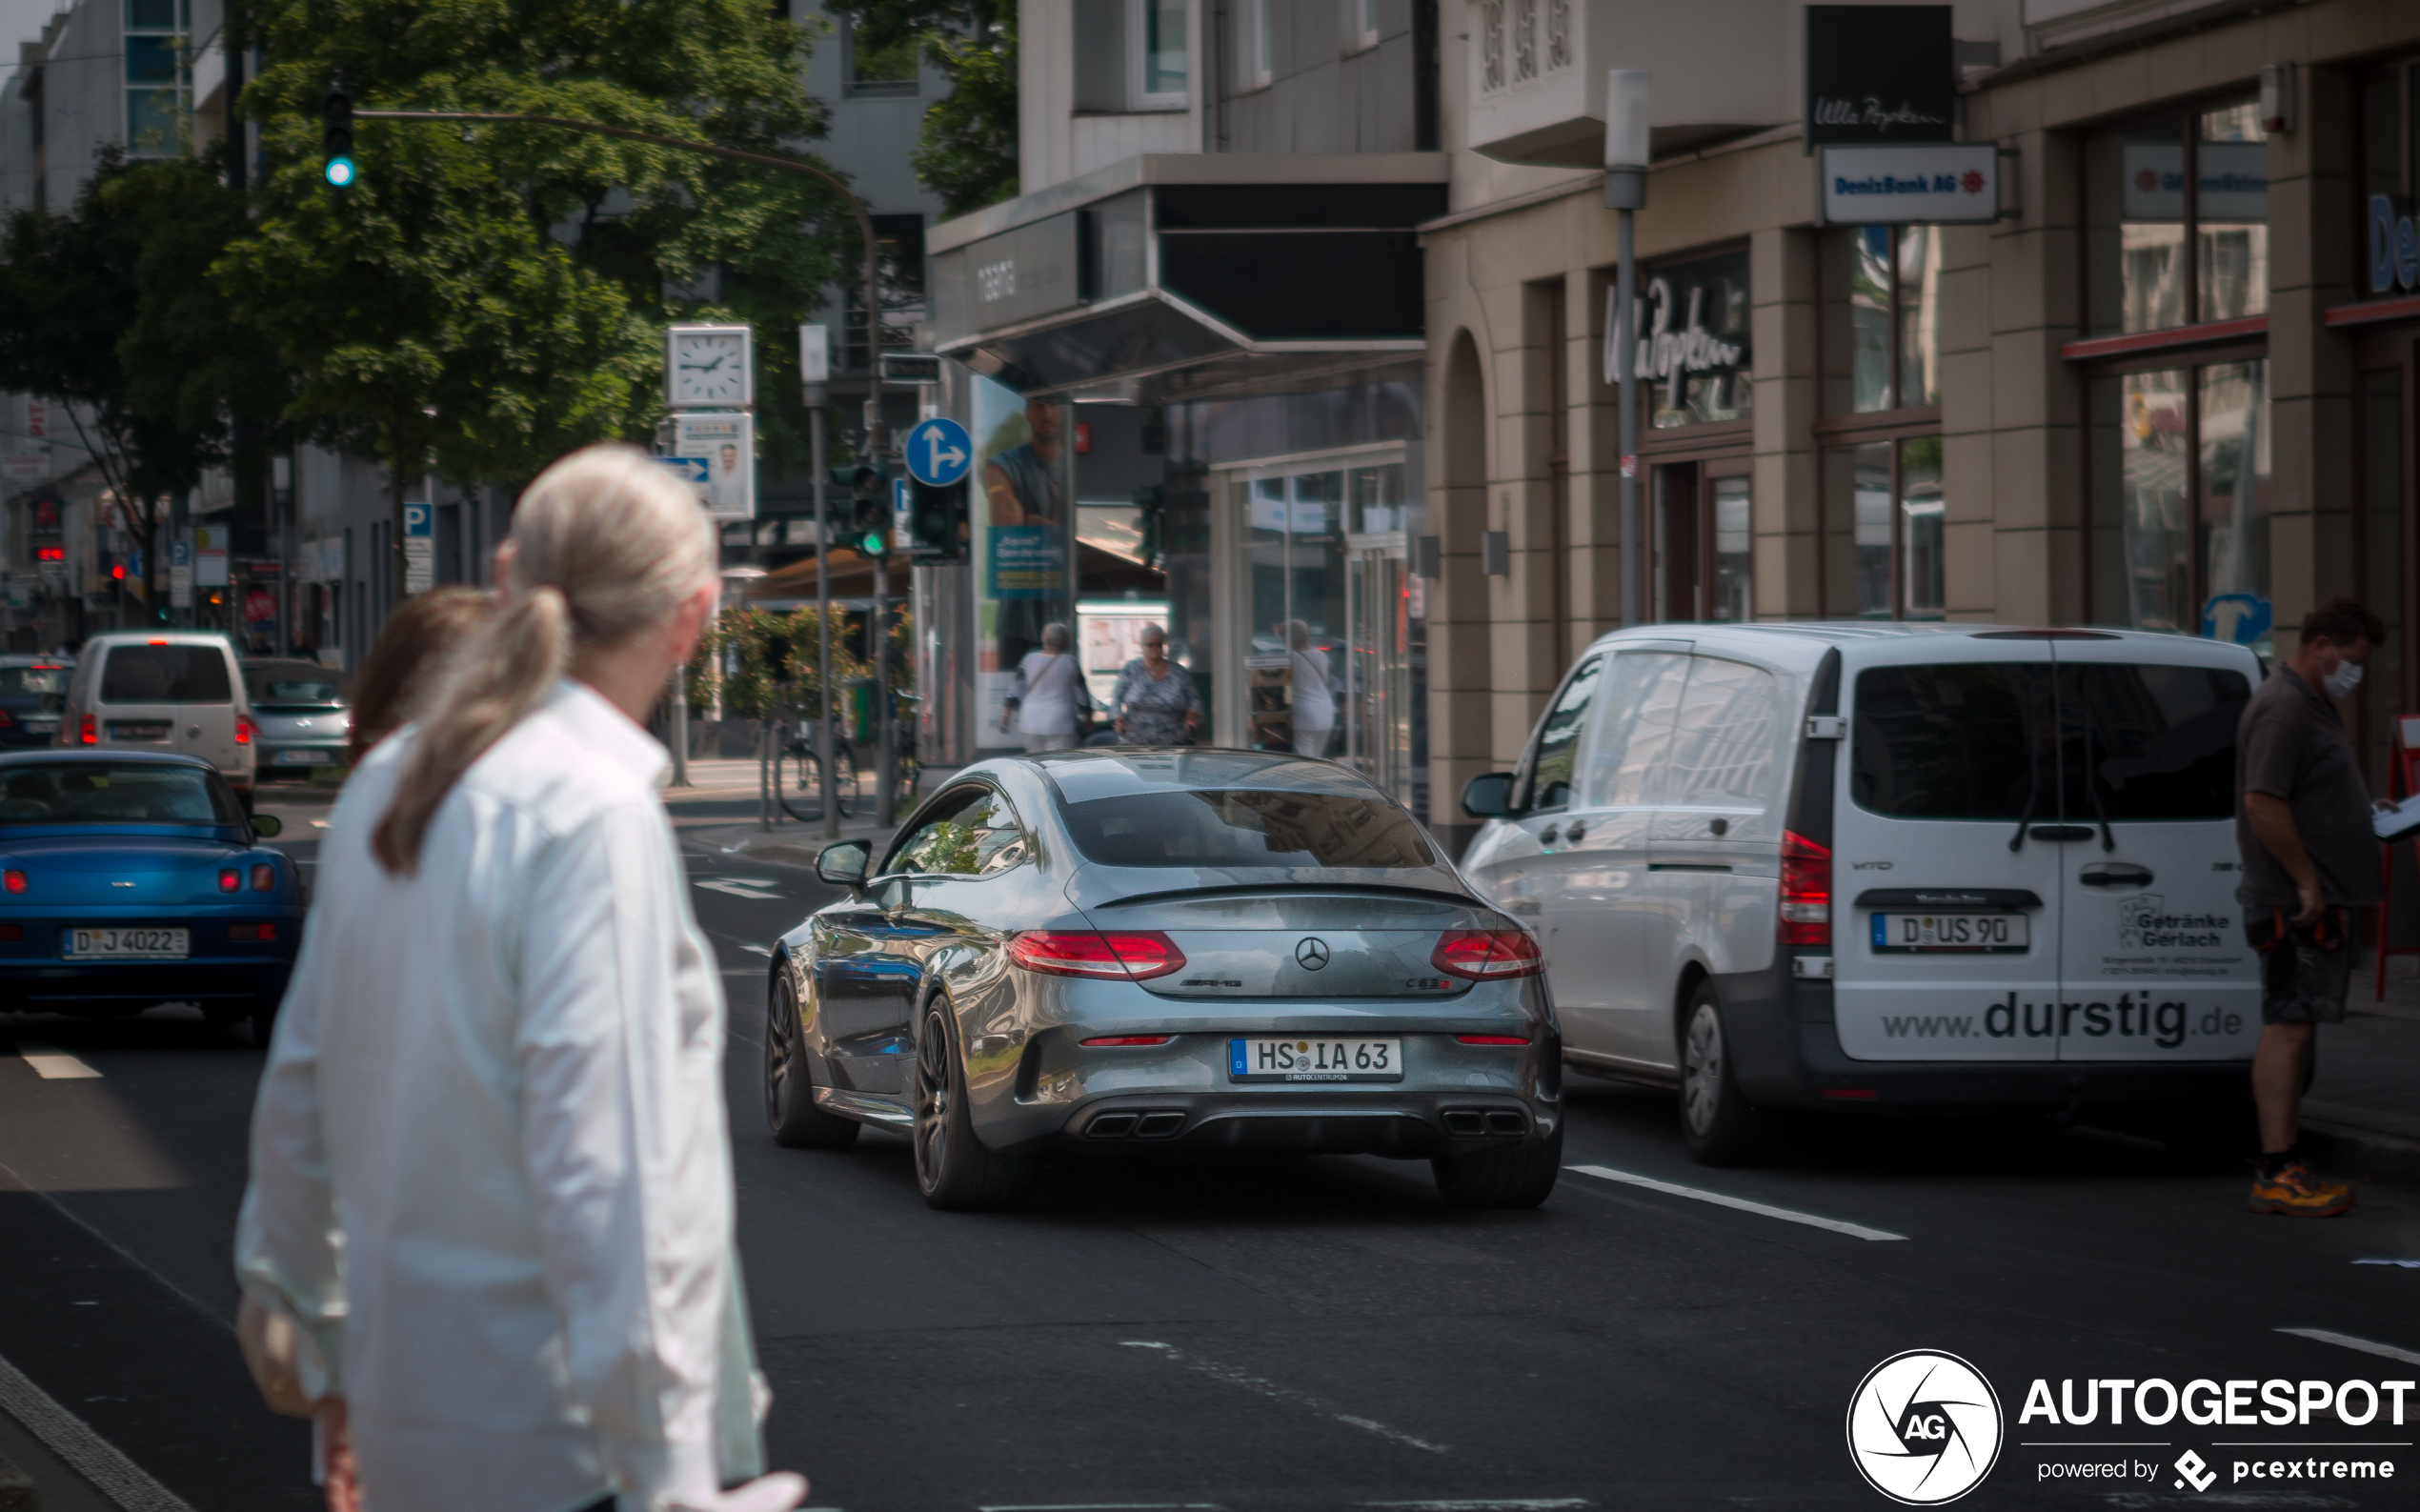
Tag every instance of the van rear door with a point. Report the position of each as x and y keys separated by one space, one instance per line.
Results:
x=1945 y=885
x=170 y=695
x=2154 y=963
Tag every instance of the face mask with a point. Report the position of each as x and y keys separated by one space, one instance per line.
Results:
x=2342 y=681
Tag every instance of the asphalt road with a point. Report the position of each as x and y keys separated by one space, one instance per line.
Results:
x=1274 y=1334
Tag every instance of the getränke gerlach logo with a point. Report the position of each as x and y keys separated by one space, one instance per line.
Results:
x=1924 y=1428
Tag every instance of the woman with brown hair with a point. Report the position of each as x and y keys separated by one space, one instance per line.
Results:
x=490 y=1199
x=409 y=657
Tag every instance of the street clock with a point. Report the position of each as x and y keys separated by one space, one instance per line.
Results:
x=708 y=368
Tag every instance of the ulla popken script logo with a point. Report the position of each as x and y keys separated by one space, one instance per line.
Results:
x=1666 y=353
x=1874 y=116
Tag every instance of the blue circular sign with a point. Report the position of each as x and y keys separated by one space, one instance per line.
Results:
x=940 y=452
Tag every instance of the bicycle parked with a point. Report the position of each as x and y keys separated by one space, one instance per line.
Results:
x=798 y=774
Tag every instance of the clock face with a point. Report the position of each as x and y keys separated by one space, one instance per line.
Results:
x=709 y=367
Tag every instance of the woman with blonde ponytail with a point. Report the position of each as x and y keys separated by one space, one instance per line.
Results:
x=490 y=1215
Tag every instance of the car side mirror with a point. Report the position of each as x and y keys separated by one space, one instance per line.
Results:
x=1488 y=795
x=843 y=863
x=268 y=826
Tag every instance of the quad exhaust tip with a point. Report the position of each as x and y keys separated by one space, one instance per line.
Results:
x=1150 y=1125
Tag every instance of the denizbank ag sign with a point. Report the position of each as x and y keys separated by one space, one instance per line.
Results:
x=1919 y=184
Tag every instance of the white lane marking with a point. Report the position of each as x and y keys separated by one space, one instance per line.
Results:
x=1276 y=1393
x=766 y=951
x=736 y=886
x=2407 y=1264
x=1726 y=1200
x=89 y=1455
x=52 y=1063
x=2348 y=1342
x=1095 y=1506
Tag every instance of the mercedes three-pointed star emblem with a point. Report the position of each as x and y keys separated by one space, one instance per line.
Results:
x=1312 y=953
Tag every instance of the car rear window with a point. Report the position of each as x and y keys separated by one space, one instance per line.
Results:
x=2133 y=741
x=1246 y=827
x=32 y=679
x=288 y=688
x=166 y=674
x=114 y=792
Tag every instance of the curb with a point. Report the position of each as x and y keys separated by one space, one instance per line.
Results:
x=16 y=1489
x=2354 y=1151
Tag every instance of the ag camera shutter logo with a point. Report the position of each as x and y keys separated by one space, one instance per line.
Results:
x=1924 y=1428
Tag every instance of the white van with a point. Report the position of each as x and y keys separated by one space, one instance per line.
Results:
x=1865 y=866
x=164 y=690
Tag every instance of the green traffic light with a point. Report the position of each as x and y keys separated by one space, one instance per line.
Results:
x=872 y=543
x=341 y=173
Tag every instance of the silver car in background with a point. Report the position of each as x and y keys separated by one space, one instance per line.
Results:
x=1184 y=948
x=302 y=716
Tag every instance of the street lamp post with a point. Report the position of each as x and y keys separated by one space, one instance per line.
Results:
x=1627 y=151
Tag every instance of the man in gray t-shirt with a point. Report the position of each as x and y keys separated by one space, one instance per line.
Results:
x=2310 y=856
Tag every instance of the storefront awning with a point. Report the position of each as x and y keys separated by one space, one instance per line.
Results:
x=1151 y=278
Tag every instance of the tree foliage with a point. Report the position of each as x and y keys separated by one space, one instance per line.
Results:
x=486 y=296
x=967 y=151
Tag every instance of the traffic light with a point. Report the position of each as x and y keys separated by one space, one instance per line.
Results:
x=937 y=529
x=335 y=138
x=858 y=517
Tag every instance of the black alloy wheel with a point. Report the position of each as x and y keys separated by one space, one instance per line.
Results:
x=952 y=1167
x=791 y=1114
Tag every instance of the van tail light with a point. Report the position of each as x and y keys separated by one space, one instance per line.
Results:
x=12 y=879
x=5 y=721
x=1486 y=955
x=264 y=877
x=230 y=880
x=1120 y=955
x=243 y=728
x=89 y=732
x=1806 y=891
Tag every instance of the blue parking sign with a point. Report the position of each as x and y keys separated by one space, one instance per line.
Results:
x=938 y=453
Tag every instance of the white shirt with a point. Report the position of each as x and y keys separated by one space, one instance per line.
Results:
x=1045 y=688
x=1314 y=704
x=491 y=1160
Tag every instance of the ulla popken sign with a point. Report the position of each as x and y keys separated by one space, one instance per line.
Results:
x=1879 y=73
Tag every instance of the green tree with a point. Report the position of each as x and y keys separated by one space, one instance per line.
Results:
x=103 y=315
x=967 y=153
x=486 y=296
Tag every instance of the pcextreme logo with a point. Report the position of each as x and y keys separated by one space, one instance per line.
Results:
x=1924 y=1428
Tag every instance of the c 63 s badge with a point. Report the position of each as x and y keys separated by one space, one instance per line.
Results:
x=1924 y=1428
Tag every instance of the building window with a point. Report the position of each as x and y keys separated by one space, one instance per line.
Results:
x=2390 y=157
x=1162 y=61
x=898 y=268
x=1361 y=25
x=2178 y=497
x=1703 y=542
x=2177 y=221
x=889 y=70
x=1255 y=66
x=1883 y=510
x=1695 y=354
x=157 y=81
x=1882 y=313
x=1491 y=46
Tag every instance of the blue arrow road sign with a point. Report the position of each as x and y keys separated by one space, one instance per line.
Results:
x=938 y=453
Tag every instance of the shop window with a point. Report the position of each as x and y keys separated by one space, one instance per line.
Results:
x=1694 y=356
x=157 y=81
x=2180 y=495
x=2390 y=157
x=2177 y=221
x=1703 y=542
x=1881 y=311
x=1884 y=510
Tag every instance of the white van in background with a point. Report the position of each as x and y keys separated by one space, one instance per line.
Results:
x=164 y=690
x=1886 y=867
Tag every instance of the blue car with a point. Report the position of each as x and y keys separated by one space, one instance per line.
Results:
x=129 y=878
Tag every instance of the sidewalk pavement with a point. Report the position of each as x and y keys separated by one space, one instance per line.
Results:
x=719 y=811
x=2362 y=1115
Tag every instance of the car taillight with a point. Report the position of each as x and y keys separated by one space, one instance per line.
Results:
x=230 y=880
x=1486 y=955
x=1125 y=955
x=267 y=932
x=1491 y=1039
x=1806 y=891
x=87 y=733
x=243 y=728
x=1130 y=1040
x=11 y=931
x=264 y=877
x=5 y=721
x=12 y=879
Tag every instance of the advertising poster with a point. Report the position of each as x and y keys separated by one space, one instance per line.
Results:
x=727 y=442
x=1020 y=520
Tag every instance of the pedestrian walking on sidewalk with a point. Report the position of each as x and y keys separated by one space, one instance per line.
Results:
x=420 y=638
x=2310 y=857
x=488 y=1239
x=1154 y=701
x=1048 y=694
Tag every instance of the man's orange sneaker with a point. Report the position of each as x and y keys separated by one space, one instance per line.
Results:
x=2296 y=1192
